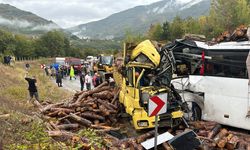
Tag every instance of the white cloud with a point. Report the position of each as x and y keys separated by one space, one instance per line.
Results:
x=15 y=22
x=25 y=24
x=67 y=13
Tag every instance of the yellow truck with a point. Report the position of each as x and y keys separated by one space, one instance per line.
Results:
x=104 y=66
x=147 y=71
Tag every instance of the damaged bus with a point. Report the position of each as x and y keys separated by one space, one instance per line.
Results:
x=215 y=79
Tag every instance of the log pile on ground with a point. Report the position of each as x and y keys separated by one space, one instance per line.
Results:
x=96 y=108
x=214 y=136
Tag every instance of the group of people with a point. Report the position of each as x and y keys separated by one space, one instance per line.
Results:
x=87 y=79
x=84 y=75
x=9 y=60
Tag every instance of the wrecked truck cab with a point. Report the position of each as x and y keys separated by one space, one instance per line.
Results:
x=142 y=79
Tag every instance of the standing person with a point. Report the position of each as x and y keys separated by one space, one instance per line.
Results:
x=72 y=73
x=46 y=69
x=88 y=81
x=27 y=66
x=32 y=87
x=82 y=80
x=98 y=80
x=94 y=79
x=59 y=78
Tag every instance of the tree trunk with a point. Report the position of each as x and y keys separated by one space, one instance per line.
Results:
x=80 y=120
x=215 y=130
x=145 y=136
x=68 y=126
x=90 y=92
x=91 y=115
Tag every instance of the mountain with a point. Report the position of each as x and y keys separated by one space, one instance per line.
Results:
x=24 y=22
x=139 y=19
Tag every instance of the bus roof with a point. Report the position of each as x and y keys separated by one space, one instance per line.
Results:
x=244 y=45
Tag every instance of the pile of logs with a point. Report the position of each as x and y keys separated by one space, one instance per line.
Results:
x=214 y=136
x=239 y=34
x=96 y=108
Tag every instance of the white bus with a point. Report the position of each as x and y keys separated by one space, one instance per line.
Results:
x=215 y=79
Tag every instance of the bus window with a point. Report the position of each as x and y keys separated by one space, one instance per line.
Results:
x=227 y=65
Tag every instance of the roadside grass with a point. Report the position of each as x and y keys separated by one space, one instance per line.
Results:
x=22 y=129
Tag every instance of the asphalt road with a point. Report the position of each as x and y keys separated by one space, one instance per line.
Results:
x=72 y=85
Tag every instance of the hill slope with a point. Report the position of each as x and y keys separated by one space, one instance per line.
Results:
x=19 y=21
x=138 y=19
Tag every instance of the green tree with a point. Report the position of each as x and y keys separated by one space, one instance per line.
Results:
x=155 y=32
x=130 y=37
x=7 y=42
x=52 y=44
x=23 y=47
x=242 y=12
x=176 y=28
x=166 y=31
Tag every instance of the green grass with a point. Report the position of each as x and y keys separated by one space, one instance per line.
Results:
x=23 y=130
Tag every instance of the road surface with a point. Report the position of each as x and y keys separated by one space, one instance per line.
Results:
x=72 y=85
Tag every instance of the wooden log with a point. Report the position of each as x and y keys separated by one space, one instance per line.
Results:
x=90 y=92
x=239 y=134
x=48 y=107
x=104 y=111
x=203 y=133
x=91 y=115
x=222 y=142
x=248 y=146
x=115 y=96
x=108 y=105
x=242 y=145
x=60 y=133
x=232 y=143
x=166 y=146
x=106 y=128
x=62 y=114
x=65 y=117
x=202 y=124
x=80 y=120
x=68 y=126
x=215 y=131
x=105 y=83
x=66 y=110
x=38 y=105
x=145 y=136
x=220 y=135
x=53 y=114
x=96 y=122
x=53 y=125
x=4 y=116
x=103 y=95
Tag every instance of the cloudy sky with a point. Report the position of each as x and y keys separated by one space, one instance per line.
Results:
x=68 y=13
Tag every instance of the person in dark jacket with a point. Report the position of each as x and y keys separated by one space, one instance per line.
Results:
x=59 y=78
x=82 y=80
x=32 y=87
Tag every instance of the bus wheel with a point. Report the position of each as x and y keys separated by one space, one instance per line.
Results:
x=196 y=112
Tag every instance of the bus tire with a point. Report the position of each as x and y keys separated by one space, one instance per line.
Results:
x=196 y=112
